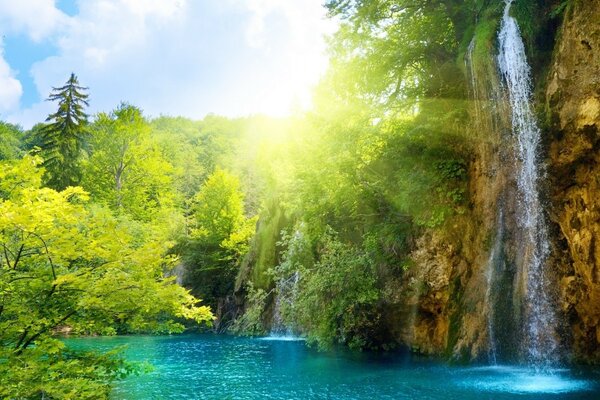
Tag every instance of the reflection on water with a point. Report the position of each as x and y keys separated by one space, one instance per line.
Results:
x=225 y=367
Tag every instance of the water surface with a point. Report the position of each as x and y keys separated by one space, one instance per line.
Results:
x=225 y=367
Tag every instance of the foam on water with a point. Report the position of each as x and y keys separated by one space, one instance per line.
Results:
x=283 y=338
x=516 y=380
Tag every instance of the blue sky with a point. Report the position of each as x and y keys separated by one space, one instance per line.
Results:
x=172 y=57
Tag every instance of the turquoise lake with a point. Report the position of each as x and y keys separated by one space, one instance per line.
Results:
x=226 y=367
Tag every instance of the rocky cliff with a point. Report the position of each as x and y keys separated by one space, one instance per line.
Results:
x=452 y=313
x=573 y=103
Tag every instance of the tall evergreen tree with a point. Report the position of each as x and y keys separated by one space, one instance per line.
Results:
x=63 y=135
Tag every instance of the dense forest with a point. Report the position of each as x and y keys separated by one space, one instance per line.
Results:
x=365 y=222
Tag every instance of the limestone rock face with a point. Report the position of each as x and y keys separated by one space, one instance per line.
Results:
x=573 y=100
x=435 y=260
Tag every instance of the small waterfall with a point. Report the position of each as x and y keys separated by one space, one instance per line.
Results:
x=416 y=286
x=286 y=292
x=489 y=111
x=539 y=319
x=491 y=272
x=469 y=64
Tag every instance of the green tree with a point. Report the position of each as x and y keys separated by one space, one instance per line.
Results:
x=218 y=213
x=219 y=236
x=126 y=169
x=66 y=263
x=181 y=143
x=10 y=141
x=63 y=136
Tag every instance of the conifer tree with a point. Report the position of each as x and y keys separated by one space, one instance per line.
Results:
x=63 y=136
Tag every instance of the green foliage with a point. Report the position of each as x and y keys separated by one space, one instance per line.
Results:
x=485 y=34
x=126 y=169
x=263 y=254
x=65 y=262
x=218 y=213
x=52 y=371
x=219 y=236
x=525 y=13
x=10 y=136
x=341 y=285
x=63 y=136
x=383 y=156
x=251 y=323
x=297 y=257
x=181 y=143
x=559 y=9
x=396 y=52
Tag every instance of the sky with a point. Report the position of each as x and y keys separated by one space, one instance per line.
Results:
x=168 y=57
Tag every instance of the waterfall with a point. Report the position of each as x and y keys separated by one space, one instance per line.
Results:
x=489 y=109
x=286 y=292
x=471 y=71
x=539 y=319
x=491 y=282
x=416 y=286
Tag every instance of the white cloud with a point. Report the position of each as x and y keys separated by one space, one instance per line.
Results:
x=306 y=24
x=32 y=115
x=186 y=57
x=163 y=8
x=10 y=87
x=36 y=18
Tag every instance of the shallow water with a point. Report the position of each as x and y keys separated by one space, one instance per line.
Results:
x=225 y=367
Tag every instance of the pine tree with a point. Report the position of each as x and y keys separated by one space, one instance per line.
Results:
x=63 y=136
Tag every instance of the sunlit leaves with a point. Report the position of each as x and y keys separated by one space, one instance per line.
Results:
x=218 y=213
x=126 y=169
x=10 y=136
x=66 y=263
x=393 y=52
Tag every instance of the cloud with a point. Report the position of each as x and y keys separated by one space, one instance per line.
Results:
x=304 y=18
x=10 y=87
x=36 y=18
x=181 y=57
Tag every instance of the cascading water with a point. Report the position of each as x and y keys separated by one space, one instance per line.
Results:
x=489 y=110
x=285 y=295
x=471 y=70
x=490 y=276
x=539 y=319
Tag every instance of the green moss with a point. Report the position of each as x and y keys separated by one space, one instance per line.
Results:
x=527 y=13
x=485 y=37
x=483 y=30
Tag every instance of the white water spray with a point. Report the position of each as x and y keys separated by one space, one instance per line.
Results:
x=539 y=315
x=285 y=296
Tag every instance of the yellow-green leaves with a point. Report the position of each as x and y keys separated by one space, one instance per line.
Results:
x=20 y=174
x=126 y=169
x=219 y=213
x=64 y=262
